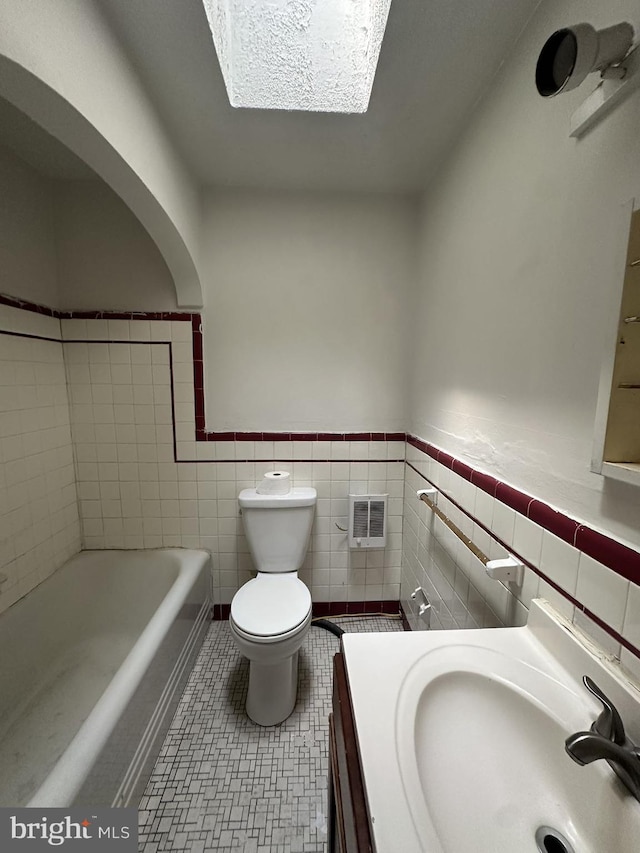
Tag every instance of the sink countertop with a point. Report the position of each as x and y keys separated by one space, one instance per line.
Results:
x=380 y=667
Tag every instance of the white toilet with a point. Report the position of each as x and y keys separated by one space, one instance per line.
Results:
x=271 y=614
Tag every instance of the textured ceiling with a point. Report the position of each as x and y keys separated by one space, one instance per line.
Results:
x=437 y=58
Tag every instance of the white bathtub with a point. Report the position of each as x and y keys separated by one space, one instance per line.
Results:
x=92 y=664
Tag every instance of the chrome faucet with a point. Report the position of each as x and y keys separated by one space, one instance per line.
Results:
x=607 y=739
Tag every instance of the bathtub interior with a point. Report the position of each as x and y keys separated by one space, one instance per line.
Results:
x=60 y=648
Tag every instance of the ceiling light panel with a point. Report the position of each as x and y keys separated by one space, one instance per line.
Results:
x=317 y=55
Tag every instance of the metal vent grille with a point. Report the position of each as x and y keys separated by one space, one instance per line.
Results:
x=376 y=518
x=361 y=519
x=367 y=521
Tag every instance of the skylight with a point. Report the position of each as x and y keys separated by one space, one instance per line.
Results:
x=317 y=55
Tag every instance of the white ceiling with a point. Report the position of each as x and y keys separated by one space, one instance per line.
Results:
x=437 y=58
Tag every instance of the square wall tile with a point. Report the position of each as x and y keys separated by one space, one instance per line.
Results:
x=604 y=592
x=527 y=539
x=631 y=625
x=559 y=562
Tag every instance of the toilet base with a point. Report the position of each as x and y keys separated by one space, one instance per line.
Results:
x=273 y=688
x=273 y=672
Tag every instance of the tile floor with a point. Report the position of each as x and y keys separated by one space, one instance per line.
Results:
x=224 y=784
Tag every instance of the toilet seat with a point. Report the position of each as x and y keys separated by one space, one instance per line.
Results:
x=270 y=606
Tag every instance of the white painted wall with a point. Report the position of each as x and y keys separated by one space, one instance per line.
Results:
x=306 y=311
x=27 y=241
x=106 y=259
x=75 y=245
x=62 y=65
x=520 y=241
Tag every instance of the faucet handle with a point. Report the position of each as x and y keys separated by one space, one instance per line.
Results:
x=609 y=724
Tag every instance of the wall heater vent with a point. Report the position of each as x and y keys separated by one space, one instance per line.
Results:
x=367 y=521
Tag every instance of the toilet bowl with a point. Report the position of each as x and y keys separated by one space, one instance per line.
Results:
x=271 y=613
x=270 y=617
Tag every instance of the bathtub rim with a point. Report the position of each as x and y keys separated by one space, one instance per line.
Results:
x=69 y=773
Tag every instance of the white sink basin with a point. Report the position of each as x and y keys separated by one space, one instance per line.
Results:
x=484 y=765
x=461 y=737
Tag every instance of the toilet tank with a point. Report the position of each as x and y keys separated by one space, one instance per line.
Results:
x=278 y=527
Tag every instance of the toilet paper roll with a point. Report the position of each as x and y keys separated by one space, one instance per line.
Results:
x=275 y=483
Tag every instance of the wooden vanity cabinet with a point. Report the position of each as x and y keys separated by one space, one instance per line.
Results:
x=349 y=829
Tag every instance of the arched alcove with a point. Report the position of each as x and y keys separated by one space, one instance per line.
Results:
x=62 y=120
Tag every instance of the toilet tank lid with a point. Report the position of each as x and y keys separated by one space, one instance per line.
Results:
x=295 y=498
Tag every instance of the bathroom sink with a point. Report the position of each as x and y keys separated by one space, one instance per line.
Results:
x=484 y=767
x=461 y=740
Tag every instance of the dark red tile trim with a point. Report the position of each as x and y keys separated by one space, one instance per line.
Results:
x=461 y=468
x=125 y=315
x=301 y=436
x=221 y=611
x=13 y=302
x=445 y=459
x=201 y=433
x=198 y=378
x=25 y=305
x=321 y=609
x=485 y=482
x=556 y=522
x=512 y=497
x=355 y=608
x=616 y=556
x=619 y=558
x=611 y=631
x=280 y=460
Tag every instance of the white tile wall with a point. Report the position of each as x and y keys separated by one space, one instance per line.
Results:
x=39 y=525
x=463 y=595
x=455 y=582
x=133 y=494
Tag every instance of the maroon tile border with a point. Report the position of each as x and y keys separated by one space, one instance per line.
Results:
x=24 y=305
x=221 y=611
x=13 y=302
x=201 y=433
x=620 y=558
x=125 y=315
x=355 y=608
x=513 y=498
x=321 y=609
x=303 y=436
x=614 y=555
